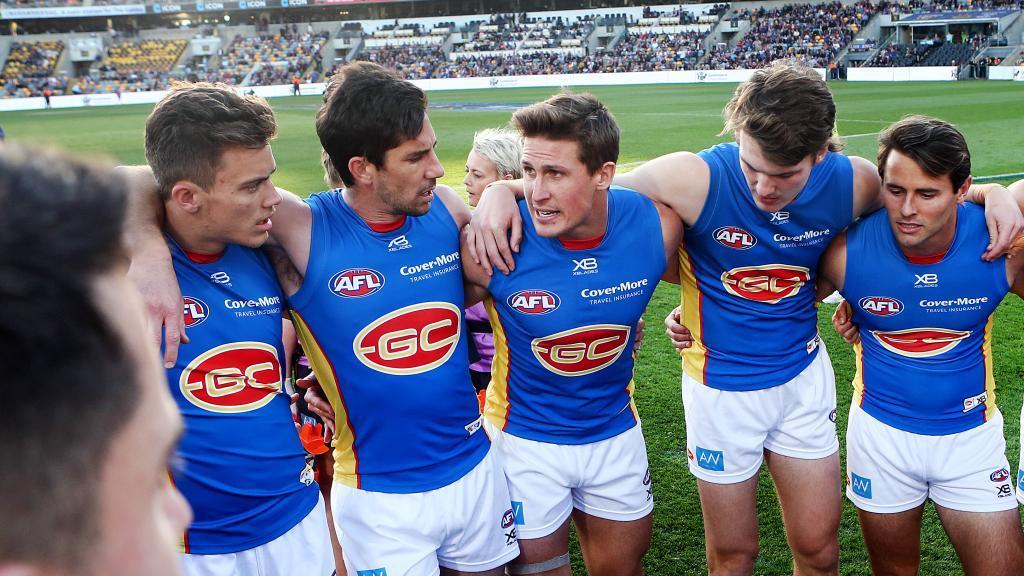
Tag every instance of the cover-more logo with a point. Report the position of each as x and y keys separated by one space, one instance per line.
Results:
x=768 y=284
x=410 y=340
x=236 y=377
x=920 y=342
x=583 y=350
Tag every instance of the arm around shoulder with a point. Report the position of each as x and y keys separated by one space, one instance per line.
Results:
x=293 y=229
x=671 y=237
x=867 y=187
x=679 y=180
x=832 y=268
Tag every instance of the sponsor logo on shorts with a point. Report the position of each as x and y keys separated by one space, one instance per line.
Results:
x=581 y=351
x=196 y=311
x=356 y=282
x=231 y=378
x=832 y=415
x=768 y=284
x=410 y=340
x=372 y=572
x=999 y=475
x=974 y=401
x=517 y=513
x=734 y=237
x=712 y=460
x=689 y=454
x=881 y=305
x=508 y=519
x=474 y=426
x=920 y=342
x=1020 y=478
x=861 y=485
x=1004 y=491
x=647 y=485
x=534 y=301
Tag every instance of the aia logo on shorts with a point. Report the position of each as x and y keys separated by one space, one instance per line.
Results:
x=920 y=342
x=356 y=282
x=583 y=350
x=736 y=238
x=410 y=340
x=231 y=378
x=508 y=519
x=767 y=284
x=196 y=311
x=881 y=305
x=534 y=301
x=999 y=475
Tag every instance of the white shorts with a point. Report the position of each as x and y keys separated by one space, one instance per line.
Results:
x=890 y=470
x=608 y=479
x=304 y=550
x=727 y=432
x=1020 y=468
x=466 y=526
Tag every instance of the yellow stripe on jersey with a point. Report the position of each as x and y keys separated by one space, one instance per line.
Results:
x=695 y=358
x=858 y=377
x=346 y=464
x=497 y=406
x=990 y=380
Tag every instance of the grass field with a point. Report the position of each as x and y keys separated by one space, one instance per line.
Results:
x=657 y=120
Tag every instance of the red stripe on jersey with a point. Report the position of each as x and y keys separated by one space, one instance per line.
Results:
x=582 y=244
x=384 y=227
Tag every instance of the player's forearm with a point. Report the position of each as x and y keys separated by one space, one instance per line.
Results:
x=143 y=233
x=981 y=193
x=515 y=186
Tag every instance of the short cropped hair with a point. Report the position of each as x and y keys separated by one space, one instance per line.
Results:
x=367 y=111
x=788 y=109
x=69 y=382
x=580 y=118
x=190 y=128
x=935 y=145
x=503 y=147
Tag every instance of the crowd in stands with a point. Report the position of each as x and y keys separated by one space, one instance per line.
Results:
x=957 y=5
x=271 y=56
x=646 y=52
x=812 y=33
x=412 y=61
x=30 y=68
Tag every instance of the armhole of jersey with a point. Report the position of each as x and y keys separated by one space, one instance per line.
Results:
x=715 y=174
x=851 y=276
x=845 y=204
x=317 y=239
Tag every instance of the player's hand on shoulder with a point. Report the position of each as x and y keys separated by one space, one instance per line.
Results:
x=679 y=335
x=496 y=229
x=1004 y=219
x=153 y=274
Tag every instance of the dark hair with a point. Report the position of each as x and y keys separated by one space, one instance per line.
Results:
x=580 y=118
x=68 y=379
x=190 y=128
x=788 y=109
x=935 y=145
x=367 y=111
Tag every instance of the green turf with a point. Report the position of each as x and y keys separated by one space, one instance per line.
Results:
x=657 y=120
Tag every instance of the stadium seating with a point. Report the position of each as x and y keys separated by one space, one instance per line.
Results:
x=270 y=58
x=29 y=70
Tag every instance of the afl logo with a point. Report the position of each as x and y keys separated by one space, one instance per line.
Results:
x=534 y=301
x=767 y=284
x=356 y=282
x=581 y=351
x=236 y=377
x=999 y=475
x=410 y=340
x=881 y=305
x=733 y=237
x=508 y=519
x=196 y=311
x=920 y=342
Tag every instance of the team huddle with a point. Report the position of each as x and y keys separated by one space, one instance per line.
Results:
x=456 y=453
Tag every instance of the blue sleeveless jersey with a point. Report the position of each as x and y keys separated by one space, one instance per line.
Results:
x=380 y=319
x=563 y=327
x=747 y=276
x=242 y=460
x=924 y=364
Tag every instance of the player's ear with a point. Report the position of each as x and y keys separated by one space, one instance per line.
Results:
x=187 y=195
x=363 y=171
x=961 y=194
x=604 y=175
